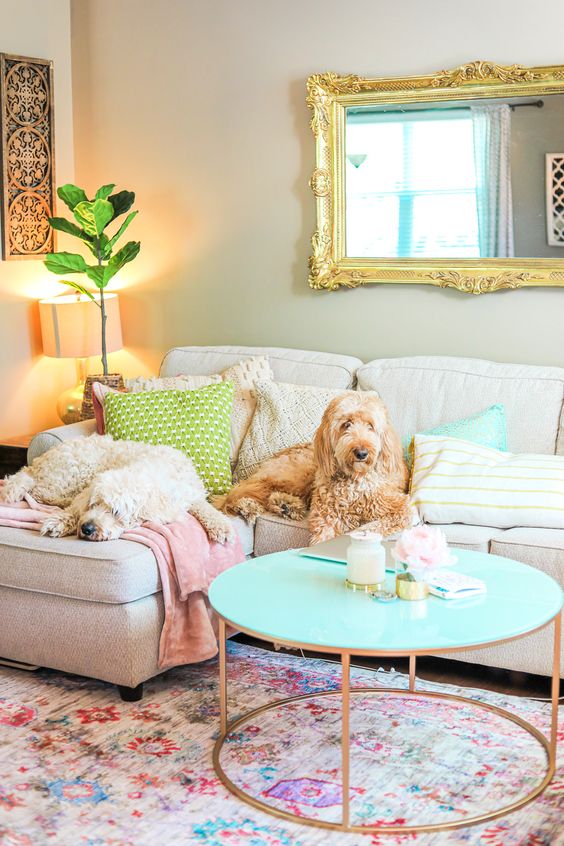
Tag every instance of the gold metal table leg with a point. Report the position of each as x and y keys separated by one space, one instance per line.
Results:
x=412 y=672
x=548 y=744
x=345 y=735
x=555 y=691
x=222 y=677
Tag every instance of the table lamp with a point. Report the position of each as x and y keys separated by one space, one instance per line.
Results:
x=70 y=327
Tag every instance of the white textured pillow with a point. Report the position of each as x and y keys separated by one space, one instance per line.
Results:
x=457 y=481
x=245 y=375
x=165 y=383
x=285 y=415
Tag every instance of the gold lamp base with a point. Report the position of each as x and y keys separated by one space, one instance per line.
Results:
x=69 y=404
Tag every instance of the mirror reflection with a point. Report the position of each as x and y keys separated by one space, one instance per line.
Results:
x=456 y=179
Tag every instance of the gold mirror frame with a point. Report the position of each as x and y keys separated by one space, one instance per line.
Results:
x=329 y=95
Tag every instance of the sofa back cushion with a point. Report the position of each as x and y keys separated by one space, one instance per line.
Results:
x=425 y=391
x=300 y=367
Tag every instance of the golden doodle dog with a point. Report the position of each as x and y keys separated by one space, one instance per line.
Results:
x=353 y=473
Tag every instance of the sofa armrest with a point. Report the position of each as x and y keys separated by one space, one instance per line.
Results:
x=58 y=435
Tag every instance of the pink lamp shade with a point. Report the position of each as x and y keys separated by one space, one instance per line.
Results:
x=71 y=326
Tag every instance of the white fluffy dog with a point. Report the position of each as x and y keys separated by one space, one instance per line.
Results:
x=107 y=487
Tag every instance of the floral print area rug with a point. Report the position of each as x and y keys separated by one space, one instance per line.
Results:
x=79 y=767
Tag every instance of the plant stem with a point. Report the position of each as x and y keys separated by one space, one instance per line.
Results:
x=103 y=314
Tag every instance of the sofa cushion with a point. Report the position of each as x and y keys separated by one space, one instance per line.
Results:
x=113 y=571
x=426 y=391
x=275 y=534
x=476 y=538
x=541 y=548
x=301 y=367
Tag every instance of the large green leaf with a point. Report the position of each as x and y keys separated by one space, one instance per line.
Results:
x=71 y=195
x=94 y=216
x=122 y=229
x=65 y=263
x=64 y=225
x=122 y=202
x=122 y=257
x=104 y=192
x=78 y=288
x=96 y=274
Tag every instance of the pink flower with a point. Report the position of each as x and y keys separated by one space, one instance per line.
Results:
x=422 y=550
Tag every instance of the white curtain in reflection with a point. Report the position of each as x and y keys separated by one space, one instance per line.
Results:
x=492 y=142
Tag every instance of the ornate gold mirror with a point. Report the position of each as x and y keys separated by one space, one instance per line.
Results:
x=454 y=179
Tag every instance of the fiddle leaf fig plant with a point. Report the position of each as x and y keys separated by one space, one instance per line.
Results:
x=91 y=218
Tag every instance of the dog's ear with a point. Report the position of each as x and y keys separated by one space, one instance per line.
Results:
x=323 y=452
x=391 y=461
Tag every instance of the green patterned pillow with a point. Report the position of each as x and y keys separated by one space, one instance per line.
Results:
x=197 y=422
x=487 y=428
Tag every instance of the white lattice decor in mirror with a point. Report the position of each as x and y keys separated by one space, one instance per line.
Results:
x=555 y=199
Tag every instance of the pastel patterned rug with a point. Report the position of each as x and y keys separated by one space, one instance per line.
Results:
x=79 y=767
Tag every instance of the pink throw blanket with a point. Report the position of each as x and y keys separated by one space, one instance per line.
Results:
x=188 y=562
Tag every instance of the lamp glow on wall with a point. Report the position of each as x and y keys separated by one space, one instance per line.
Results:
x=70 y=327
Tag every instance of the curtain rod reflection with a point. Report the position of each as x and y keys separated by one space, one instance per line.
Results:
x=363 y=112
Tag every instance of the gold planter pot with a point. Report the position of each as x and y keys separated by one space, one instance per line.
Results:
x=408 y=589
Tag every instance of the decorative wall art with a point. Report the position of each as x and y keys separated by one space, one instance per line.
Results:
x=28 y=156
x=555 y=199
x=419 y=179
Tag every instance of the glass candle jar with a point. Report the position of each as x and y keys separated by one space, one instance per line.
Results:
x=366 y=561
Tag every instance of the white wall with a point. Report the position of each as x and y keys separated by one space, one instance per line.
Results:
x=30 y=382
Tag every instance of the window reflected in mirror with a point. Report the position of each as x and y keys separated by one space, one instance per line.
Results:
x=453 y=179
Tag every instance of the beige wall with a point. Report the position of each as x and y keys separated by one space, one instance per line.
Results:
x=199 y=107
x=29 y=381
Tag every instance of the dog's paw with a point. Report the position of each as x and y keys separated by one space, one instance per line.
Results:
x=249 y=509
x=221 y=530
x=59 y=525
x=287 y=506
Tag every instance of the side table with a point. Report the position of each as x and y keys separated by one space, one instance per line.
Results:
x=13 y=454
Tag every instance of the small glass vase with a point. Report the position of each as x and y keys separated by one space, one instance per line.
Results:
x=408 y=588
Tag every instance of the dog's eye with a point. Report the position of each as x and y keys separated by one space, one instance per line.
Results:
x=371 y=427
x=347 y=424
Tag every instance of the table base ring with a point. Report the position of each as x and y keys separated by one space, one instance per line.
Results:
x=390 y=829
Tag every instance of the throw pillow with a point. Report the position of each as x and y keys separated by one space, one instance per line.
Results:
x=169 y=383
x=457 y=481
x=285 y=415
x=145 y=383
x=244 y=374
x=196 y=422
x=487 y=428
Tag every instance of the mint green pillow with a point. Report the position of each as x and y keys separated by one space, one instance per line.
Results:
x=196 y=422
x=487 y=428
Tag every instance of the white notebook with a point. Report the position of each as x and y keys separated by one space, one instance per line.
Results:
x=448 y=584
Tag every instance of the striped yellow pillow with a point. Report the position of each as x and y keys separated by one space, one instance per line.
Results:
x=457 y=481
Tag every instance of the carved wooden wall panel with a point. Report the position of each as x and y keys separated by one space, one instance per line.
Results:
x=28 y=156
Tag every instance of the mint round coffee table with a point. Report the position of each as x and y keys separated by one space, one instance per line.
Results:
x=302 y=602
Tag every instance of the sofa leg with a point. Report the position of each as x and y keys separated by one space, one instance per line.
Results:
x=131 y=694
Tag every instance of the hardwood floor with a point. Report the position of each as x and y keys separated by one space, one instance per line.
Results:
x=443 y=670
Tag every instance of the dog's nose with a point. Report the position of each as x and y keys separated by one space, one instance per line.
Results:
x=87 y=529
x=360 y=454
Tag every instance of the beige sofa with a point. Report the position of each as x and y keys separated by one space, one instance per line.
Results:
x=96 y=609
